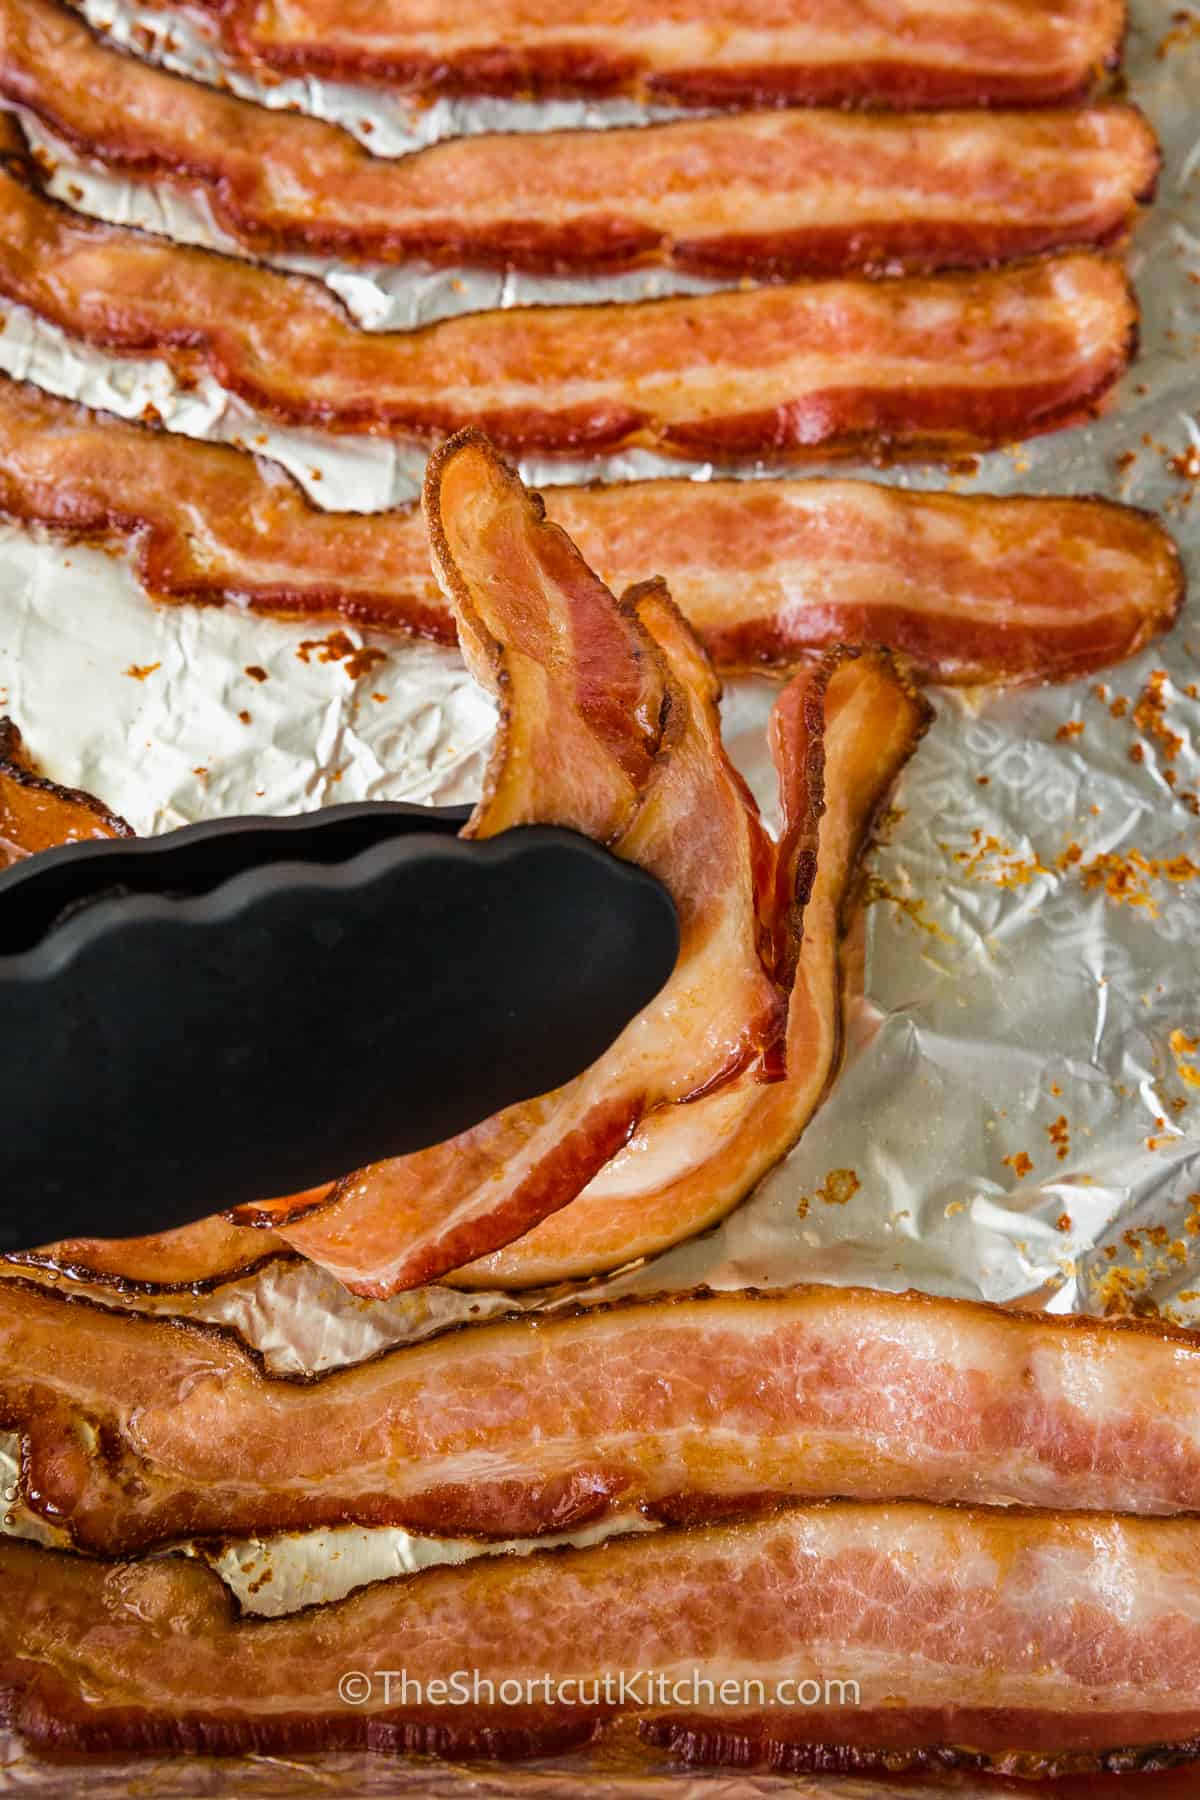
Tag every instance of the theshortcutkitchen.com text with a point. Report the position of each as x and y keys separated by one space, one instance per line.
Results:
x=623 y=1689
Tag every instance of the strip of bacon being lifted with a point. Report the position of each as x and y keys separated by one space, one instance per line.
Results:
x=36 y=814
x=680 y=1174
x=684 y=1408
x=935 y=366
x=1036 y=1644
x=968 y=588
x=720 y=53
x=774 y=194
x=609 y=725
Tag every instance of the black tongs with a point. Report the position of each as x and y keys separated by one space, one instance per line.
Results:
x=248 y=1008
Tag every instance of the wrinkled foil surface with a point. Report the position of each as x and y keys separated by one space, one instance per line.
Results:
x=1018 y=1115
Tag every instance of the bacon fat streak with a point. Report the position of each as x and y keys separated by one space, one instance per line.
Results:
x=771 y=194
x=684 y=1408
x=968 y=588
x=936 y=366
x=1034 y=1644
x=720 y=53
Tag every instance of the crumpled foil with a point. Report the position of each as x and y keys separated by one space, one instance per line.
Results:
x=1017 y=1114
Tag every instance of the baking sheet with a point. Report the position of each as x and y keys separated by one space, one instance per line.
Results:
x=1018 y=1108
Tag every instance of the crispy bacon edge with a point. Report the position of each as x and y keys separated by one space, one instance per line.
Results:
x=284 y=345
x=1031 y=1644
x=534 y=622
x=546 y=1423
x=507 y=67
x=985 y=588
x=36 y=814
x=189 y=1262
x=269 y=178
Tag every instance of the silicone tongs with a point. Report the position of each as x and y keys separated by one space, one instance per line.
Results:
x=249 y=1008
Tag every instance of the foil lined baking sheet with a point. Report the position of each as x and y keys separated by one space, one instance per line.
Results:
x=1018 y=1116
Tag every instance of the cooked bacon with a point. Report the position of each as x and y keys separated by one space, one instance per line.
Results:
x=609 y=725
x=968 y=588
x=682 y=1172
x=189 y=1260
x=774 y=194
x=723 y=53
x=1038 y=1644
x=683 y=1408
x=208 y=523
x=932 y=366
x=587 y=703
x=36 y=814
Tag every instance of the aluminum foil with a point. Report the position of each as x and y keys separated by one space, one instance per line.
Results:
x=1017 y=1113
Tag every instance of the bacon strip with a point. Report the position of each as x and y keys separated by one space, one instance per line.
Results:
x=682 y=1408
x=774 y=194
x=208 y=523
x=970 y=589
x=722 y=53
x=582 y=685
x=683 y=1172
x=36 y=814
x=193 y=1259
x=940 y=366
x=1034 y=1644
